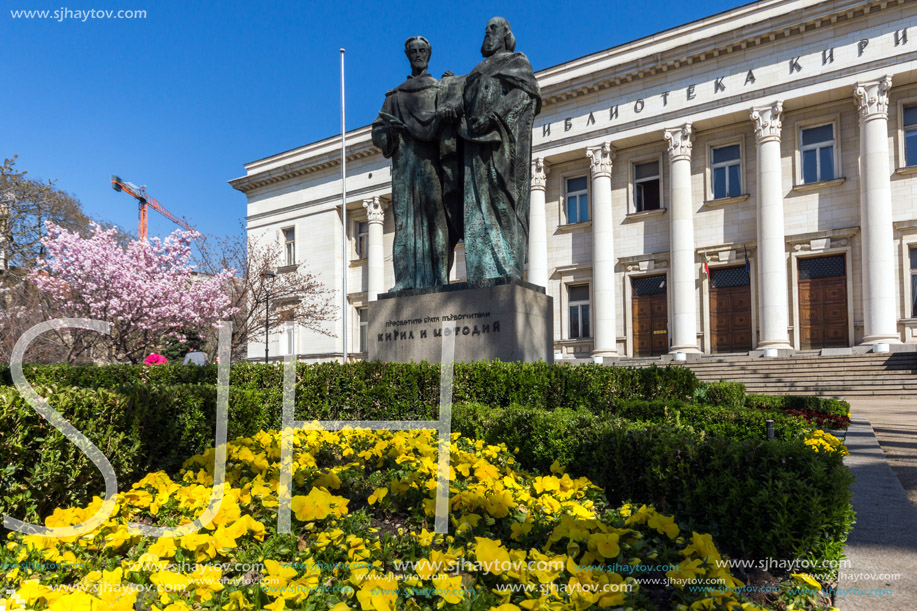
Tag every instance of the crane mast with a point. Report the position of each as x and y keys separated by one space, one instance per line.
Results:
x=143 y=202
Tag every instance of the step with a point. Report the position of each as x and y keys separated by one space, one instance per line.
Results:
x=808 y=373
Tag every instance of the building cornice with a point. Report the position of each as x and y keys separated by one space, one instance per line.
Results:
x=355 y=198
x=305 y=160
x=742 y=28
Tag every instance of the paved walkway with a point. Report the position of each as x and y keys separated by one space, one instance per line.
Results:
x=882 y=547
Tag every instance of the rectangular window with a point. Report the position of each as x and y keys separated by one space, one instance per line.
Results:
x=289 y=238
x=578 y=298
x=577 y=200
x=362 y=314
x=913 y=253
x=362 y=231
x=726 y=169
x=817 y=153
x=646 y=186
x=910 y=135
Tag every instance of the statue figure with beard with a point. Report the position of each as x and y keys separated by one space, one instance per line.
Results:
x=498 y=103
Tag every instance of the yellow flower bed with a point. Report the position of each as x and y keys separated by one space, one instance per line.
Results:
x=362 y=510
x=821 y=441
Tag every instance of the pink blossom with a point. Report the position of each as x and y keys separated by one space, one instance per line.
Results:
x=147 y=291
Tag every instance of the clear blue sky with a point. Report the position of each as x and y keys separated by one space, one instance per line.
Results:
x=180 y=100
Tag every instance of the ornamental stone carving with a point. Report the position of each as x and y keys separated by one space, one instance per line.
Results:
x=768 y=121
x=539 y=173
x=681 y=141
x=600 y=160
x=872 y=98
x=374 y=210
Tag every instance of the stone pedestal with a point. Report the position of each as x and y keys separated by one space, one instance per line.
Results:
x=509 y=322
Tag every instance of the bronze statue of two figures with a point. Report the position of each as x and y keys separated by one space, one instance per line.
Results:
x=461 y=151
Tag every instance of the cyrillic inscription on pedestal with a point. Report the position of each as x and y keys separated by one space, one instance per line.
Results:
x=509 y=322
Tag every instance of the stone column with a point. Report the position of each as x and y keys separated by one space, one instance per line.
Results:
x=879 y=317
x=681 y=241
x=538 y=228
x=376 y=267
x=603 y=252
x=774 y=315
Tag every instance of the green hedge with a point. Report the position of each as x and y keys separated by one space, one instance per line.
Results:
x=821 y=405
x=156 y=427
x=403 y=387
x=727 y=394
x=741 y=423
x=111 y=376
x=760 y=499
x=138 y=428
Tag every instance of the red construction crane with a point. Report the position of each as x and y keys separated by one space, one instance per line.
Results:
x=144 y=200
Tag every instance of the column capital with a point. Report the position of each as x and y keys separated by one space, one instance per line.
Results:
x=539 y=173
x=600 y=159
x=374 y=210
x=872 y=98
x=681 y=141
x=768 y=121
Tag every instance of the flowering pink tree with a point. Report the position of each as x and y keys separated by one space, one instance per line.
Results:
x=148 y=291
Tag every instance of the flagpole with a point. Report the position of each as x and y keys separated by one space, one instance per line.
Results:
x=343 y=217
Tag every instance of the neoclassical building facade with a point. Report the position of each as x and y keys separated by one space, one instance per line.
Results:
x=742 y=182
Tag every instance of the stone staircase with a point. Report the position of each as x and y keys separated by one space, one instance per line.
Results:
x=807 y=373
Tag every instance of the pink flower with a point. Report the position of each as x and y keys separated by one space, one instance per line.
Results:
x=156 y=359
x=147 y=290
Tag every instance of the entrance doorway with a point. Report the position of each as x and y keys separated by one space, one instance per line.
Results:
x=651 y=316
x=730 y=310
x=823 y=303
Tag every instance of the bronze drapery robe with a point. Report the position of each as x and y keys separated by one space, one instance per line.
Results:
x=497 y=166
x=421 y=252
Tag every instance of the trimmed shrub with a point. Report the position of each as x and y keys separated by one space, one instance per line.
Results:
x=401 y=389
x=822 y=405
x=760 y=499
x=726 y=394
x=728 y=422
x=139 y=429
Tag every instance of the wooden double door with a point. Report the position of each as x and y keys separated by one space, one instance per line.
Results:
x=651 y=316
x=730 y=310
x=823 y=303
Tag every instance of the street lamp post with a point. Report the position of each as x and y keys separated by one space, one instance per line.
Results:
x=265 y=276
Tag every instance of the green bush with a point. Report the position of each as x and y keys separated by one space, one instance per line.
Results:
x=821 y=405
x=137 y=432
x=741 y=423
x=138 y=428
x=760 y=499
x=727 y=394
x=111 y=376
x=401 y=389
